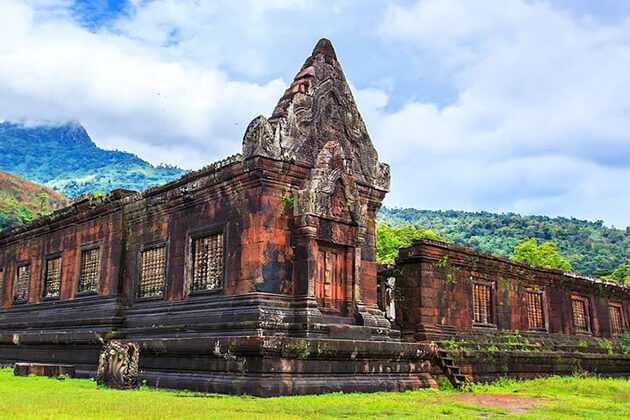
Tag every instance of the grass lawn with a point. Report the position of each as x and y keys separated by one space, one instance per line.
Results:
x=47 y=398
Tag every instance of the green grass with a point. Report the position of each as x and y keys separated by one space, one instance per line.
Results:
x=47 y=398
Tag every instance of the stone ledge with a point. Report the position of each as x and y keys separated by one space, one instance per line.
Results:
x=272 y=386
x=484 y=366
x=302 y=348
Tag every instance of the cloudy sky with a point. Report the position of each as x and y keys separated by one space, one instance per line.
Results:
x=498 y=105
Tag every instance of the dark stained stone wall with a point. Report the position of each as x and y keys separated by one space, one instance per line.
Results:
x=436 y=281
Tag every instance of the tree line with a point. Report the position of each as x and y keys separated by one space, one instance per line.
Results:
x=566 y=243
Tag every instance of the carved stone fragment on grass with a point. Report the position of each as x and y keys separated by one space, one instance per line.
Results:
x=118 y=365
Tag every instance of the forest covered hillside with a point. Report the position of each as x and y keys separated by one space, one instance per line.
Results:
x=21 y=200
x=590 y=247
x=66 y=159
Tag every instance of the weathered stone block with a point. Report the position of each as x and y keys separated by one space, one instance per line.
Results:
x=43 y=369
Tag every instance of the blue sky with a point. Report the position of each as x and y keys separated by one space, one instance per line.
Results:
x=498 y=105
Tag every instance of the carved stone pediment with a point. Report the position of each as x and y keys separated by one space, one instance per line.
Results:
x=318 y=108
x=331 y=190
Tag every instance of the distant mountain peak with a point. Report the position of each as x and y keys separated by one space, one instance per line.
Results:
x=71 y=131
x=26 y=124
x=62 y=156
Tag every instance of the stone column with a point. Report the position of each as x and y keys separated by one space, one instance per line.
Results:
x=306 y=249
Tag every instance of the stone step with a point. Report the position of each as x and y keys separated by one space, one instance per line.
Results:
x=455 y=372
x=451 y=371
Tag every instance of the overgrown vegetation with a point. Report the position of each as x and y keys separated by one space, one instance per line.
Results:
x=620 y=275
x=544 y=255
x=21 y=201
x=505 y=340
x=65 y=159
x=288 y=202
x=624 y=343
x=590 y=247
x=572 y=397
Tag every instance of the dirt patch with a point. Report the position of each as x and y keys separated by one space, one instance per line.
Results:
x=514 y=403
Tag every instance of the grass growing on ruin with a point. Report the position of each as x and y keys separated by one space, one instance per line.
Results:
x=46 y=398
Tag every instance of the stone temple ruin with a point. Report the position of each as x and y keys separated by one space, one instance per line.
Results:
x=258 y=275
x=496 y=317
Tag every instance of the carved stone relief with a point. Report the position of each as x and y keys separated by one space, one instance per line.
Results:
x=260 y=139
x=118 y=365
x=331 y=190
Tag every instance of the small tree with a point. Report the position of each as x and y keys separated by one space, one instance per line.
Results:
x=43 y=199
x=545 y=255
x=620 y=275
x=389 y=240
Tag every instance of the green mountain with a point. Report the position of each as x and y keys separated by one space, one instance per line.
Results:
x=65 y=159
x=590 y=247
x=21 y=200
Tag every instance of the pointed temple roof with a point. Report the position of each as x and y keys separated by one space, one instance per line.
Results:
x=316 y=109
x=324 y=46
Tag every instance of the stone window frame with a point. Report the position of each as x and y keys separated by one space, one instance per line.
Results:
x=84 y=248
x=622 y=320
x=493 y=303
x=538 y=290
x=191 y=236
x=588 y=313
x=18 y=265
x=45 y=273
x=148 y=247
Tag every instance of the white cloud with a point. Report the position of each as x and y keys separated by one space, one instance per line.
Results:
x=539 y=121
x=540 y=117
x=120 y=88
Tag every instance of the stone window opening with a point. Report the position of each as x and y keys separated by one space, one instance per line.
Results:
x=616 y=318
x=152 y=274
x=207 y=263
x=89 y=270
x=51 y=287
x=22 y=283
x=581 y=314
x=483 y=304
x=535 y=311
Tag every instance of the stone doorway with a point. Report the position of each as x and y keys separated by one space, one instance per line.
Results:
x=331 y=278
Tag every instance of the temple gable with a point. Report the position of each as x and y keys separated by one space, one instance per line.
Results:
x=318 y=108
